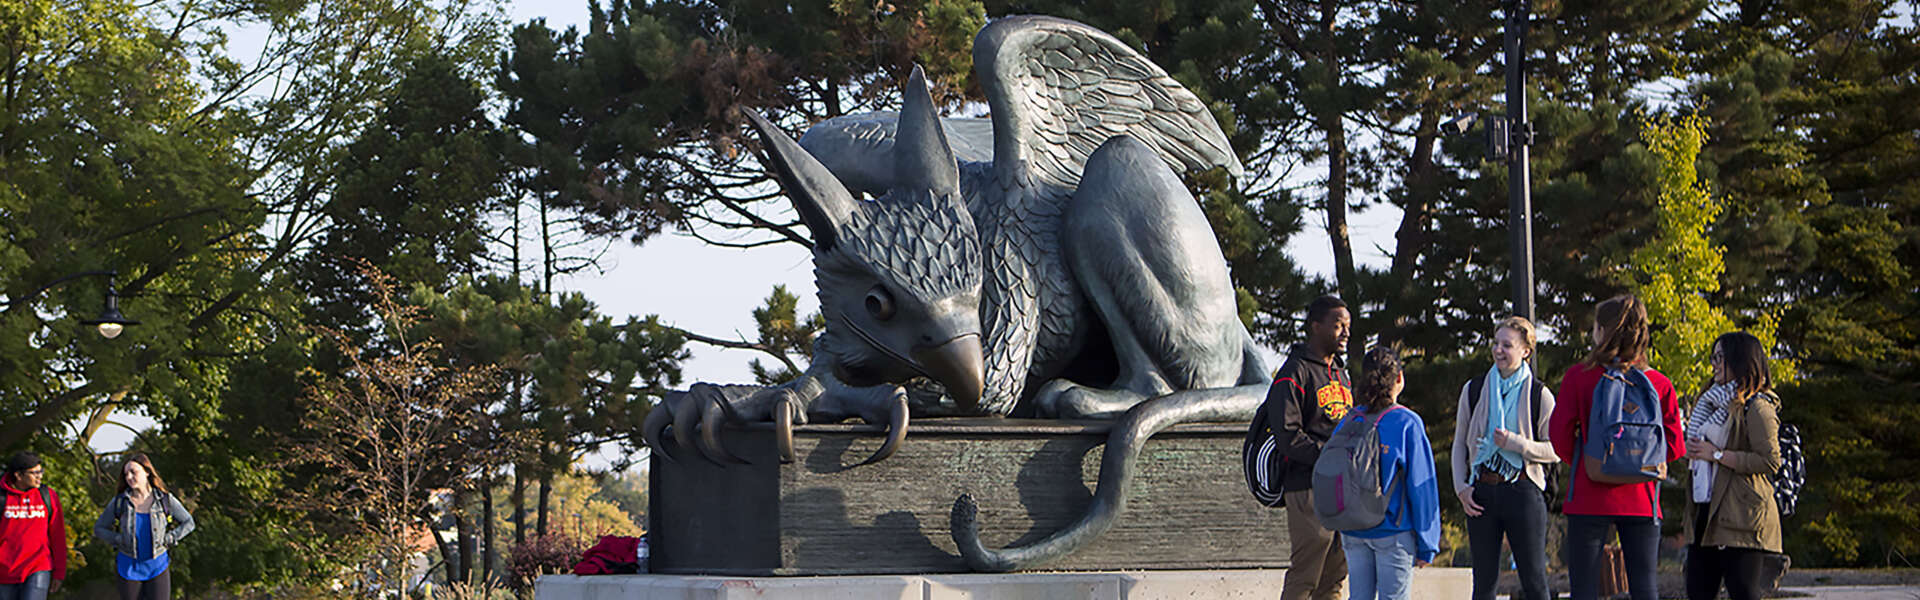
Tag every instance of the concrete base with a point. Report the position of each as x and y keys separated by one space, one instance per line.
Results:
x=1428 y=584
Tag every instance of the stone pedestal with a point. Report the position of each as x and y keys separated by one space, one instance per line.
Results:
x=1188 y=508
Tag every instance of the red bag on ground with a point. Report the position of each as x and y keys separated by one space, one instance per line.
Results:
x=613 y=554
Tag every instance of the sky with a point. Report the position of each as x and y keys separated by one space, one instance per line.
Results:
x=712 y=291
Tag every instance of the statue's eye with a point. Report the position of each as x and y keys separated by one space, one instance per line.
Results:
x=880 y=303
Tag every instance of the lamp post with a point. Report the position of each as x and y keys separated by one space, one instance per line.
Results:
x=1508 y=140
x=110 y=322
x=1519 y=139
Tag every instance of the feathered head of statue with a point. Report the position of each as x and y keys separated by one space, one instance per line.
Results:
x=899 y=276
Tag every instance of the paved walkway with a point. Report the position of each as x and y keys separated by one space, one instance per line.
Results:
x=1860 y=592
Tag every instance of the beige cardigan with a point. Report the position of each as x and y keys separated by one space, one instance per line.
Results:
x=1468 y=429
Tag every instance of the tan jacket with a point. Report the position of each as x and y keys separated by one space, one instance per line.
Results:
x=1742 y=513
x=1468 y=429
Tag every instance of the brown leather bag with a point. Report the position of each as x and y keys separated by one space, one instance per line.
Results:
x=1613 y=571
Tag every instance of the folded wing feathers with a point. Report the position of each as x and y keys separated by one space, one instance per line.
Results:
x=1081 y=87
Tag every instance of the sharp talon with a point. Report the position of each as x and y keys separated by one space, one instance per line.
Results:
x=684 y=429
x=783 y=433
x=712 y=416
x=896 y=431
x=655 y=428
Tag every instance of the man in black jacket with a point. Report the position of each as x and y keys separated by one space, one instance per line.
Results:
x=1308 y=397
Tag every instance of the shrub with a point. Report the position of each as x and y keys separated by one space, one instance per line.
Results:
x=542 y=555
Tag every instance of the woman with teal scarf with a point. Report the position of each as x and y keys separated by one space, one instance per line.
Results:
x=1500 y=461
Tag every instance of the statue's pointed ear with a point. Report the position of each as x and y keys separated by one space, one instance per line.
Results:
x=823 y=202
x=922 y=160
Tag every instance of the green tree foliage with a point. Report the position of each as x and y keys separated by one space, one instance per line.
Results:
x=593 y=379
x=783 y=334
x=634 y=122
x=586 y=381
x=106 y=163
x=1814 y=146
x=221 y=182
x=1861 y=454
x=413 y=192
x=1680 y=267
x=1815 y=150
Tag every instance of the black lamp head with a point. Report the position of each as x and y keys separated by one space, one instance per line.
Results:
x=111 y=322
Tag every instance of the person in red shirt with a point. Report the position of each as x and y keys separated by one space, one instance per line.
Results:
x=33 y=534
x=1621 y=334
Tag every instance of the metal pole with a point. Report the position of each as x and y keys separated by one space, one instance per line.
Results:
x=1519 y=191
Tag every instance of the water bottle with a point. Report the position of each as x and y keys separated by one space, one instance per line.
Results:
x=641 y=558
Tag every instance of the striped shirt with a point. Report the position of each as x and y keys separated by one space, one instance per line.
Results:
x=1709 y=422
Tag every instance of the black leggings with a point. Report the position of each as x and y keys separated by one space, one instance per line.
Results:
x=1639 y=545
x=1743 y=569
x=158 y=588
x=1516 y=511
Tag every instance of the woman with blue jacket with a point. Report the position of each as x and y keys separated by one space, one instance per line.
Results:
x=141 y=523
x=1380 y=560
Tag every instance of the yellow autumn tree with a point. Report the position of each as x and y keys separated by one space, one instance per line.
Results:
x=1679 y=266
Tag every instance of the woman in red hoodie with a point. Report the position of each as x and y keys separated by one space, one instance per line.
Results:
x=33 y=535
x=1621 y=335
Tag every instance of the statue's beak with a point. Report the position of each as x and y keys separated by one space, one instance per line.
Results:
x=958 y=365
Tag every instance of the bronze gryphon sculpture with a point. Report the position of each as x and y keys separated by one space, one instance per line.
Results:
x=1053 y=266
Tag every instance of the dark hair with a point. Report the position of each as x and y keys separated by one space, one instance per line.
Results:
x=22 y=461
x=1377 y=373
x=1745 y=360
x=153 y=477
x=1628 y=332
x=1321 y=306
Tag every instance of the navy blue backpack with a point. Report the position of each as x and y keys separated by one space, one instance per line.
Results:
x=1625 y=440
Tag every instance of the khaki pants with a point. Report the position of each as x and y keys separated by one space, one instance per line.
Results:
x=1319 y=567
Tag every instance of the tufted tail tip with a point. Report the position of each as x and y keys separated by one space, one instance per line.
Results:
x=966 y=536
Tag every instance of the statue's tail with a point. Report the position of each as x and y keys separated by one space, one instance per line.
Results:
x=1124 y=443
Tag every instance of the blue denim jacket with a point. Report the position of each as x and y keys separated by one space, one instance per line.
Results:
x=117 y=521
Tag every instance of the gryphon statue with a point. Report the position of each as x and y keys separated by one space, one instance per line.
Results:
x=1053 y=266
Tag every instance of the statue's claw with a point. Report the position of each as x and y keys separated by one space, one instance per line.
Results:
x=712 y=416
x=783 y=434
x=896 y=430
x=685 y=423
x=655 y=428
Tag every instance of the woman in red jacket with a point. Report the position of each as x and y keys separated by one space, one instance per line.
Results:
x=1621 y=335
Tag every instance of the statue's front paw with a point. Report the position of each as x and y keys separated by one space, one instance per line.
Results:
x=874 y=405
x=694 y=418
x=1063 y=399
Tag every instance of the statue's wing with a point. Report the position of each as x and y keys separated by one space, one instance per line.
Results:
x=858 y=149
x=1059 y=89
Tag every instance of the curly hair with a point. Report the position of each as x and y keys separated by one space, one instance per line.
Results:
x=1378 y=372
